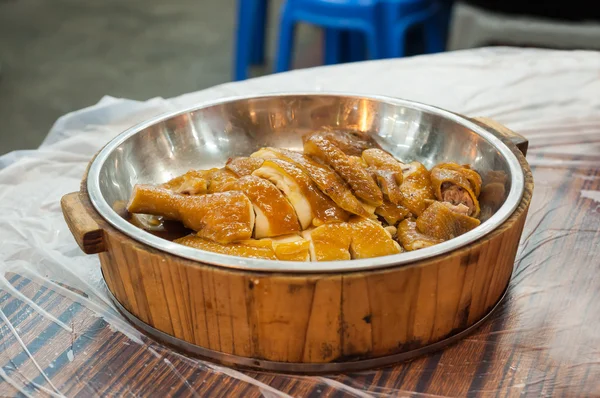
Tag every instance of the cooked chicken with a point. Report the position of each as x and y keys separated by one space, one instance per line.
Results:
x=219 y=179
x=391 y=213
x=370 y=239
x=457 y=184
x=352 y=143
x=291 y=248
x=349 y=169
x=387 y=171
x=325 y=178
x=221 y=217
x=194 y=182
x=275 y=215
x=411 y=239
x=416 y=188
x=311 y=205
x=257 y=249
x=243 y=166
x=329 y=242
x=343 y=198
x=441 y=221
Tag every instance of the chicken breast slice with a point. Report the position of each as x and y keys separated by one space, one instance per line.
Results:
x=311 y=205
x=324 y=177
x=275 y=215
x=329 y=242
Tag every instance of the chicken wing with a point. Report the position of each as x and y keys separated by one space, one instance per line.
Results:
x=222 y=217
x=311 y=205
x=350 y=170
x=275 y=215
x=326 y=179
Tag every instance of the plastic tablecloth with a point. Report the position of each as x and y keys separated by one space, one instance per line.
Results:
x=60 y=335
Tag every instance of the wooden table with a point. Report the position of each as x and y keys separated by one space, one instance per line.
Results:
x=543 y=340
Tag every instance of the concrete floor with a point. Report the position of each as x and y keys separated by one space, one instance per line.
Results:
x=59 y=56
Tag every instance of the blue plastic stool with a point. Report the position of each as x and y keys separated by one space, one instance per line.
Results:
x=333 y=15
x=250 y=36
x=398 y=16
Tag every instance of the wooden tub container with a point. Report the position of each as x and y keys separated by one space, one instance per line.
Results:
x=304 y=321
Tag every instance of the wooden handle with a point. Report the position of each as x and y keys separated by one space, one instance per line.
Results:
x=87 y=232
x=499 y=129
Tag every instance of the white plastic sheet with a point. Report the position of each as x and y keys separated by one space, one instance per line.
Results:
x=551 y=97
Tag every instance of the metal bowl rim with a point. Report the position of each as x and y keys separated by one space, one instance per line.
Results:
x=250 y=264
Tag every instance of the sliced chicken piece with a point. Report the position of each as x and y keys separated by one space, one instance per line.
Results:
x=329 y=242
x=275 y=215
x=442 y=221
x=349 y=169
x=221 y=217
x=392 y=213
x=325 y=178
x=457 y=184
x=416 y=188
x=388 y=172
x=243 y=166
x=291 y=248
x=311 y=205
x=194 y=182
x=262 y=250
x=411 y=239
x=370 y=239
x=219 y=179
x=352 y=143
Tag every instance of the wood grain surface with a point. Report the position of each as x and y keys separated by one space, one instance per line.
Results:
x=543 y=340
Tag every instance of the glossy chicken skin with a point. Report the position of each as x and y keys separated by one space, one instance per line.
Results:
x=445 y=221
x=262 y=250
x=411 y=239
x=392 y=213
x=311 y=205
x=221 y=217
x=457 y=185
x=416 y=188
x=388 y=172
x=194 y=182
x=275 y=215
x=350 y=170
x=325 y=178
x=243 y=166
x=329 y=242
x=352 y=143
x=370 y=239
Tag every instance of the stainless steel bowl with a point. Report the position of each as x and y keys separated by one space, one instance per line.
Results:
x=206 y=136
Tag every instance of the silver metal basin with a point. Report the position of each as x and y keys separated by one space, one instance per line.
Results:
x=207 y=135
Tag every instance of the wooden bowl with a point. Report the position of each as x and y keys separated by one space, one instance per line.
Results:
x=278 y=316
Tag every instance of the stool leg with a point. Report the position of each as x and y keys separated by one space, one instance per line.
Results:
x=356 y=47
x=332 y=48
x=436 y=31
x=285 y=46
x=373 y=43
x=260 y=27
x=243 y=42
